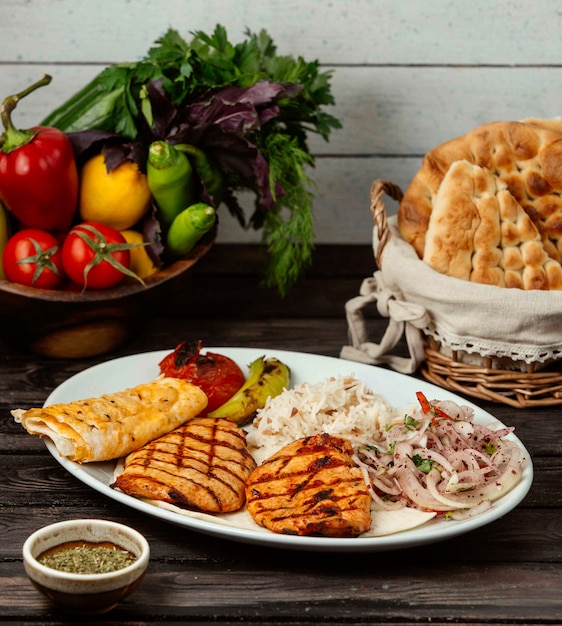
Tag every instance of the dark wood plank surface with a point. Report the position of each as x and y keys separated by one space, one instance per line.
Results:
x=509 y=571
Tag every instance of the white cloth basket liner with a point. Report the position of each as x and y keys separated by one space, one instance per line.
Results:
x=463 y=316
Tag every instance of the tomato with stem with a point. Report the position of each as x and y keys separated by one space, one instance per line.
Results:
x=96 y=256
x=33 y=257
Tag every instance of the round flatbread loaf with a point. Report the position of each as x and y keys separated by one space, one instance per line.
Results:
x=524 y=156
x=477 y=231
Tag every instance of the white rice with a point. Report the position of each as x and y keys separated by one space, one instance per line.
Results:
x=341 y=405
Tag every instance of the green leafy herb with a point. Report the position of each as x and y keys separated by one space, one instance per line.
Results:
x=248 y=108
x=410 y=422
x=290 y=235
x=369 y=446
x=489 y=447
x=424 y=465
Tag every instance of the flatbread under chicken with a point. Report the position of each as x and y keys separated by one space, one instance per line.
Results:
x=115 y=424
x=310 y=487
x=202 y=465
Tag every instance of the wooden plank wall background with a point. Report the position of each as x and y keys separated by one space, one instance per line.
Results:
x=407 y=74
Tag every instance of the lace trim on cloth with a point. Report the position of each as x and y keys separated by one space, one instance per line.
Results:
x=497 y=349
x=477 y=320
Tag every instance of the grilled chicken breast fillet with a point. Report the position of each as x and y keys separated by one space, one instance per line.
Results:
x=202 y=465
x=310 y=487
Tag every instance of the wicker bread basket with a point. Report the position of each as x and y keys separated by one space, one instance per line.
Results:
x=497 y=378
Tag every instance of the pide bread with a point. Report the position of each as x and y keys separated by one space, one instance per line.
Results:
x=479 y=232
x=487 y=206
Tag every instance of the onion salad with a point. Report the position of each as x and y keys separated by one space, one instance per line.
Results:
x=437 y=459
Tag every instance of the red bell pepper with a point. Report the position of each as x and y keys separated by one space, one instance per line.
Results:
x=38 y=172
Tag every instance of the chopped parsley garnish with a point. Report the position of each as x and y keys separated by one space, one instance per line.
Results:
x=424 y=465
x=410 y=422
x=489 y=447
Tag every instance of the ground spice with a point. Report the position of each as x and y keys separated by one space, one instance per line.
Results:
x=84 y=557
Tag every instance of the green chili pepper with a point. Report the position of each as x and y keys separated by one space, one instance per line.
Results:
x=170 y=179
x=188 y=227
x=209 y=173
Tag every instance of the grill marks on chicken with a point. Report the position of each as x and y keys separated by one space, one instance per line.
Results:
x=310 y=487
x=202 y=465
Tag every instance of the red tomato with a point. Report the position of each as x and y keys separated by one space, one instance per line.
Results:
x=33 y=257
x=95 y=255
x=217 y=375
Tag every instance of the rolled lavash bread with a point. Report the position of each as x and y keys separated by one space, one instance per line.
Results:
x=115 y=424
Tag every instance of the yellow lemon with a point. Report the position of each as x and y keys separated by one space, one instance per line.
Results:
x=141 y=263
x=118 y=198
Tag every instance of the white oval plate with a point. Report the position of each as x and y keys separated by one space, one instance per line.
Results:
x=398 y=389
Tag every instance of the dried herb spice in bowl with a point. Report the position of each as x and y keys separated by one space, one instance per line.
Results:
x=86 y=566
x=87 y=557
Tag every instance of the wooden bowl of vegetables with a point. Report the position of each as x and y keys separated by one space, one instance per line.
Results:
x=88 y=252
x=77 y=324
x=75 y=318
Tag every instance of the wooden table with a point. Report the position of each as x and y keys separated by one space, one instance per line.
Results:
x=509 y=571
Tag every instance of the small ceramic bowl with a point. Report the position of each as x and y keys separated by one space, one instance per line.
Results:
x=85 y=594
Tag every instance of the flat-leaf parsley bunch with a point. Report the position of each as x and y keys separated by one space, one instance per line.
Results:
x=247 y=108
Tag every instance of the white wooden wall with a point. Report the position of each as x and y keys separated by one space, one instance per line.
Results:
x=408 y=74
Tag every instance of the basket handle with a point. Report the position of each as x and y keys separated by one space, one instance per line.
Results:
x=378 y=189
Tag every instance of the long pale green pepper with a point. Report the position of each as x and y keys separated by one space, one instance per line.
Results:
x=170 y=179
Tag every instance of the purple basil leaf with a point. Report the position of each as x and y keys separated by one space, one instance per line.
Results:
x=117 y=153
x=86 y=143
x=262 y=92
x=232 y=117
x=268 y=113
x=237 y=109
x=234 y=154
x=152 y=234
x=115 y=148
x=266 y=201
x=163 y=111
